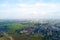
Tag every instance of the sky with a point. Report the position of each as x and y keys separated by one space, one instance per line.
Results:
x=30 y=9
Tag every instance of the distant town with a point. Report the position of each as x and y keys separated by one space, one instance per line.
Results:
x=29 y=30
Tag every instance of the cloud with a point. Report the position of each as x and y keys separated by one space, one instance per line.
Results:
x=29 y=11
